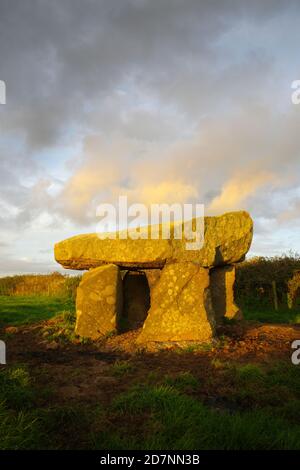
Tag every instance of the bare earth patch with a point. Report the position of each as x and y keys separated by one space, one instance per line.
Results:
x=95 y=372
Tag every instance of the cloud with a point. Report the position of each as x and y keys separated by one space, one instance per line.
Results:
x=291 y=214
x=159 y=100
x=167 y=192
x=11 y=265
x=226 y=170
x=235 y=192
x=62 y=60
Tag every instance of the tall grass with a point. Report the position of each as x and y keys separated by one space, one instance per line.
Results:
x=54 y=284
x=173 y=420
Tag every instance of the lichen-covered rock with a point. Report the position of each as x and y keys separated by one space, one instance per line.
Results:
x=153 y=276
x=227 y=239
x=222 y=281
x=180 y=306
x=99 y=302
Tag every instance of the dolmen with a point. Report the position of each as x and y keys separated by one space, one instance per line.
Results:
x=168 y=293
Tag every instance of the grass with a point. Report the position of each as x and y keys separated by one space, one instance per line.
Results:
x=182 y=381
x=164 y=410
x=54 y=284
x=20 y=310
x=17 y=310
x=62 y=329
x=166 y=416
x=15 y=388
x=248 y=372
x=27 y=424
x=252 y=386
x=156 y=416
x=18 y=430
x=173 y=420
x=120 y=368
x=264 y=313
x=75 y=420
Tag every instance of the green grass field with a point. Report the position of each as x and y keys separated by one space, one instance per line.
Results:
x=20 y=310
x=157 y=415
x=267 y=314
x=199 y=402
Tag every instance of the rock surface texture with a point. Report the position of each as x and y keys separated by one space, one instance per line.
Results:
x=180 y=306
x=175 y=294
x=99 y=302
x=227 y=239
x=222 y=281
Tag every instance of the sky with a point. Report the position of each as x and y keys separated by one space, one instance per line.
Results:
x=160 y=100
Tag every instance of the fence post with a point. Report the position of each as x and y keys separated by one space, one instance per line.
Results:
x=275 y=295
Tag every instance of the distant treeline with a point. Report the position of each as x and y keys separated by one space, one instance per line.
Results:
x=257 y=278
x=54 y=284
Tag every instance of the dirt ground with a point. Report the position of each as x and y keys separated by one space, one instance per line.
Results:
x=83 y=372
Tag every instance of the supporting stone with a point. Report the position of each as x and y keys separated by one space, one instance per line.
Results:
x=180 y=306
x=222 y=281
x=153 y=276
x=99 y=302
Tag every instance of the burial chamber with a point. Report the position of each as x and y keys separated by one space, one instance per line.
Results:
x=168 y=293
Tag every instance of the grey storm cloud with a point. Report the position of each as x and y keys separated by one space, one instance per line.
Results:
x=61 y=59
x=169 y=99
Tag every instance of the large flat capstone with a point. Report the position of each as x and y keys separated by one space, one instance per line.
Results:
x=227 y=239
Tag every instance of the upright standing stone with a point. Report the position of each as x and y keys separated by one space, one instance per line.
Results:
x=180 y=306
x=99 y=302
x=222 y=281
x=153 y=276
